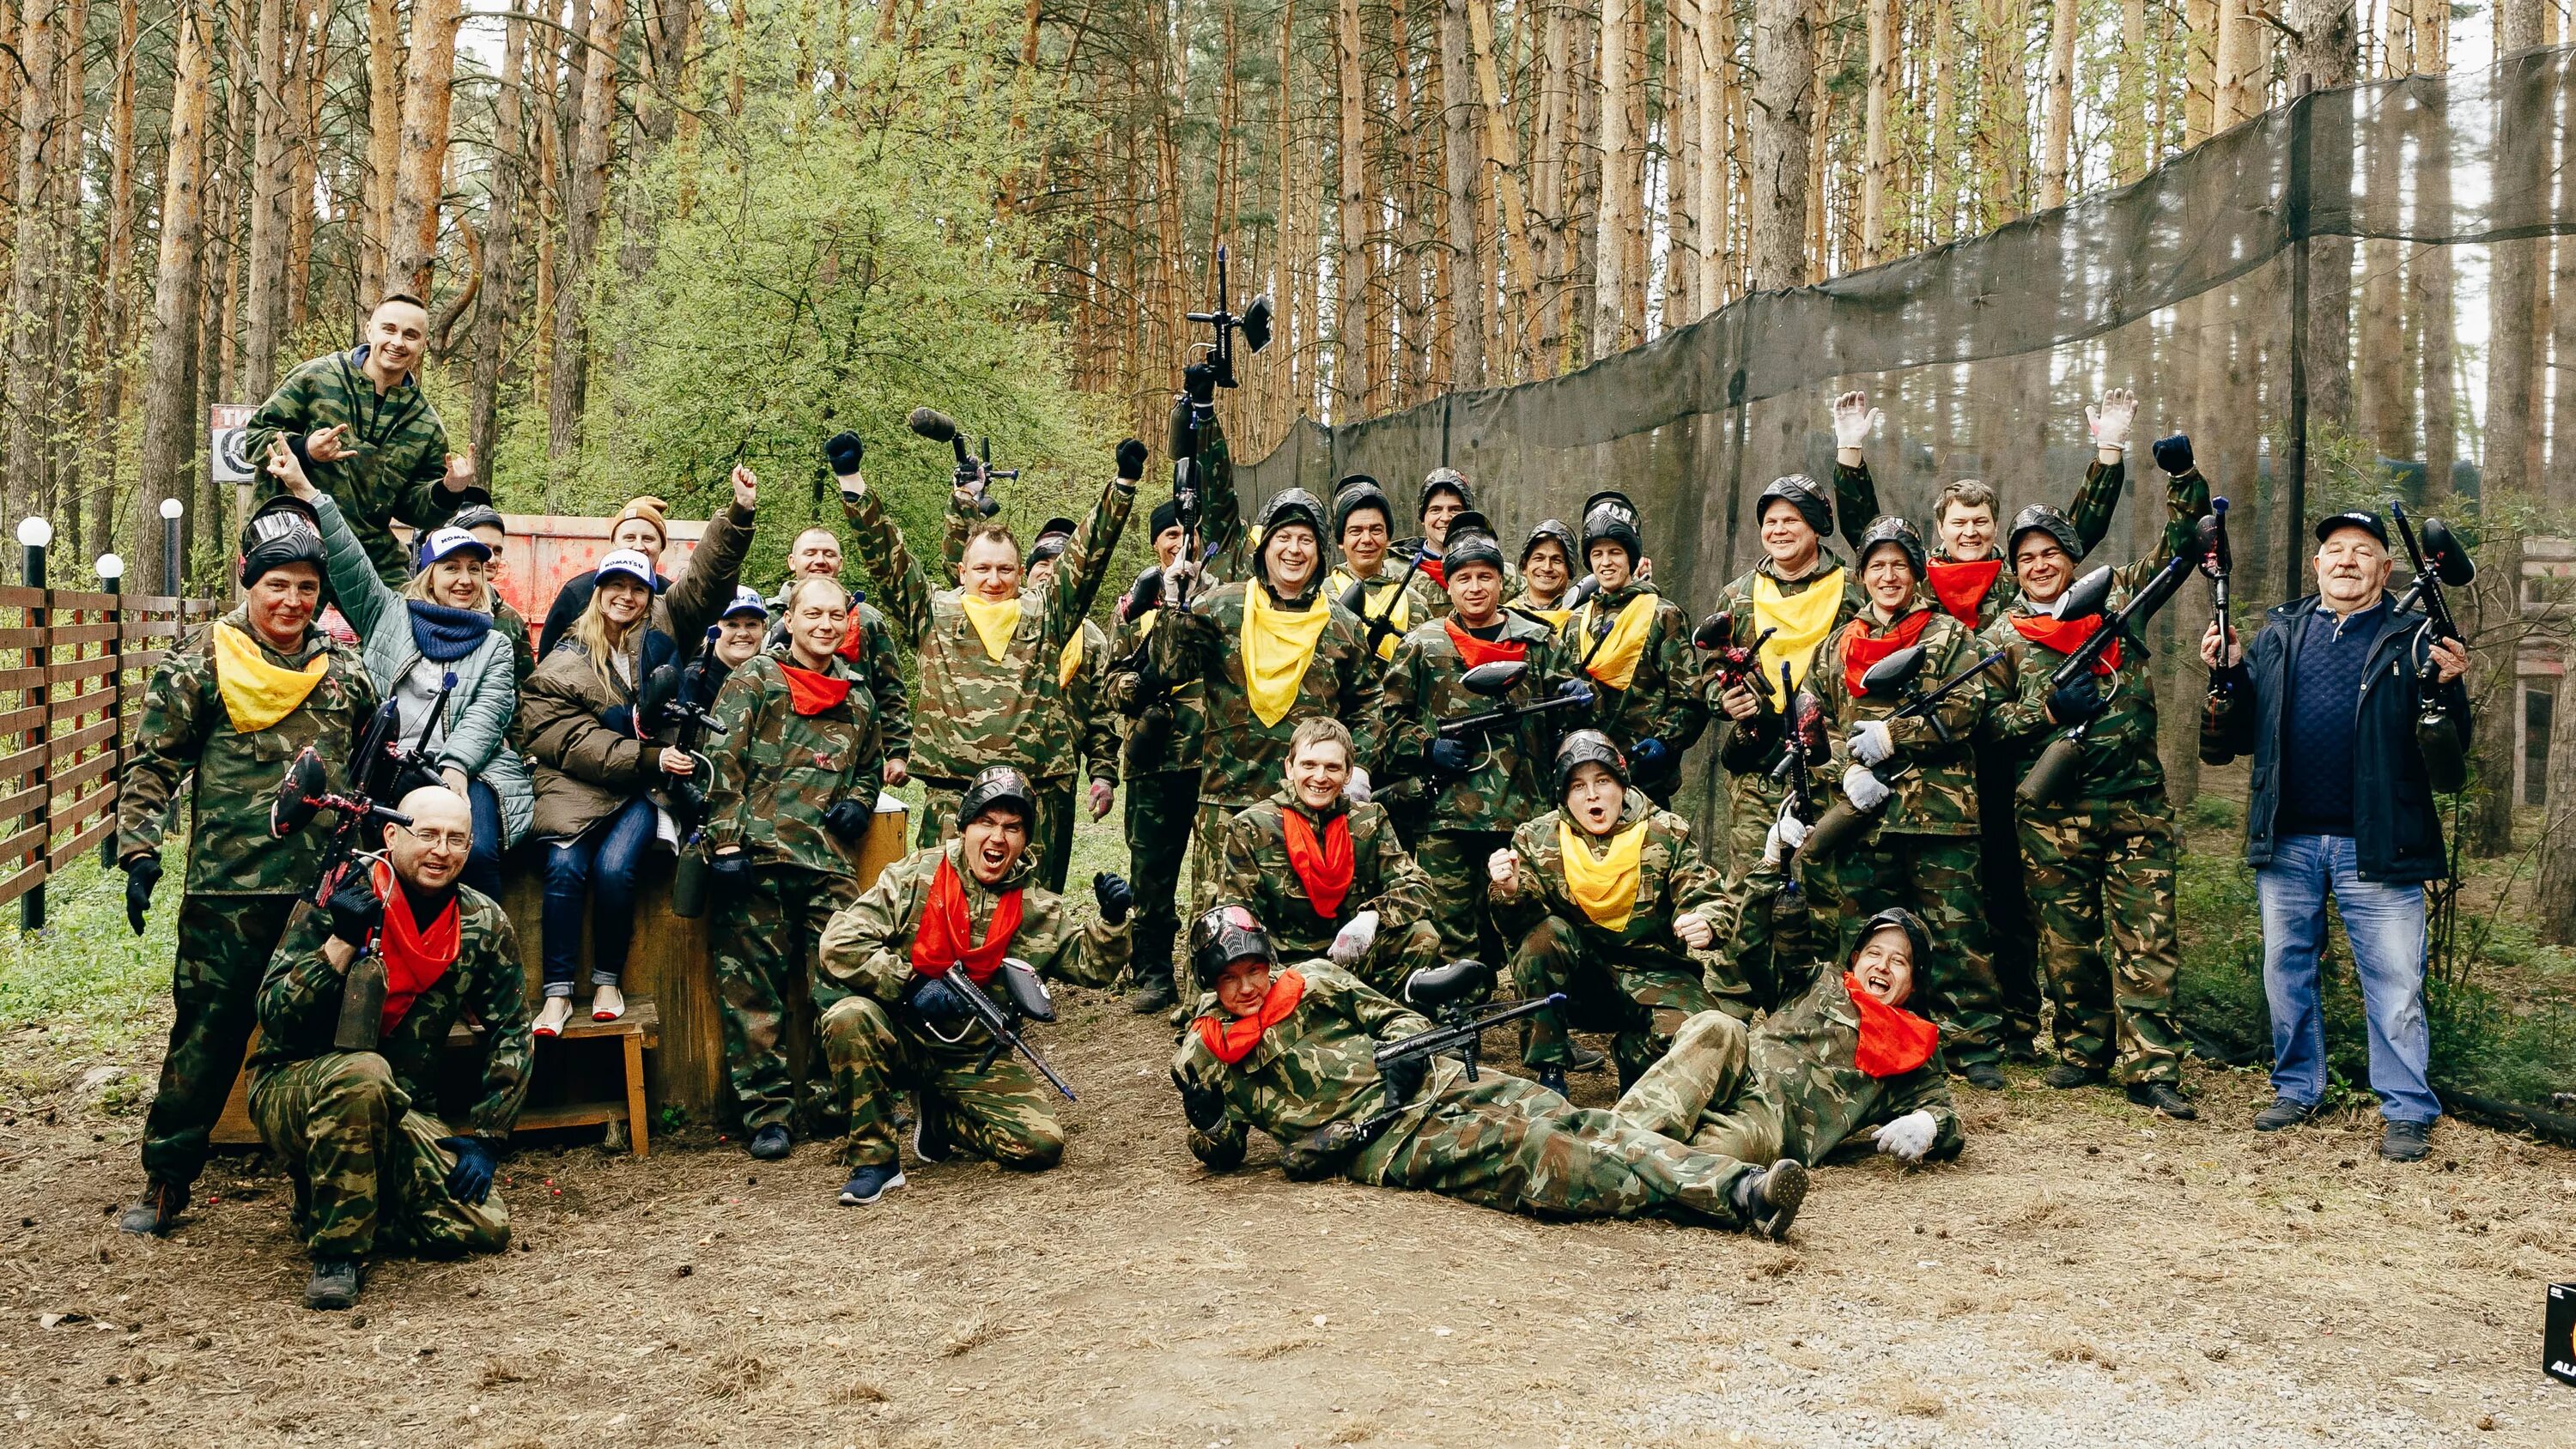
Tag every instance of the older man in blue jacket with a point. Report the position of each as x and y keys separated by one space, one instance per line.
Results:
x=2326 y=700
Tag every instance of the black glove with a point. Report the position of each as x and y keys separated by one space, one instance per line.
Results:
x=1452 y=756
x=936 y=1000
x=2075 y=701
x=1115 y=896
x=729 y=876
x=620 y=718
x=1199 y=381
x=355 y=911
x=848 y=820
x=2174 y=454
x=1203 y=1107
x=843 y=452
x=1131 y=460
x=1575 y=689
x=470 y=1180
x=1403 y=1078
x=142 y=873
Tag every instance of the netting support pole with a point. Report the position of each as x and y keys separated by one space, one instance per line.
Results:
x=2294 y=462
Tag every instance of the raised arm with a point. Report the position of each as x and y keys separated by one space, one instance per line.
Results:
x=2110 y=420
x=902 y=588
x=715 y=566
x=1093 y=540
x=1855 y=492
x=364 y=598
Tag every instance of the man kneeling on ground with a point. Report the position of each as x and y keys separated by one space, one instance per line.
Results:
x=372 y=1167
x=1294 y=1052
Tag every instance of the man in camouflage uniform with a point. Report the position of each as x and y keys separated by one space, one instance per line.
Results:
x=366 y=434
x=1081 y=729
x=1546 y=575
x=1285 y=861
x=228 y=708
x=868 y=647
x=1294 y=1053
x=2101 y=860
x=972 y=905
x=1393 y=598
x=984 y=696
x=1446 y=495
x=357 y=1129
x=1636 y=647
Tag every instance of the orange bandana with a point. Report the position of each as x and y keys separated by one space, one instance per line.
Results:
x=1473 y=651
x=1962 y=586
x=2068 y=635
x=810 y=693
x=945 y=930
x=1232 y=1041
x=414 y=958
x=1893 y=1041
x=1860 y=651
x=1324 y=867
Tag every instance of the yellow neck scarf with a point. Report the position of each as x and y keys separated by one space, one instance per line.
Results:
x=1606 y=888
x=1277 y=647
x=256 y=693
x=1800 y=621
x=1555 y=617
x=994 y=623
x=1396 y=612
x=1615 y=662
x=1069 y=663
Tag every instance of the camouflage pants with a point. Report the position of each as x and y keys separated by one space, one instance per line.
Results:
x=1937 y=878
x=1703 y=1093
x=1753 y=803
x=1004 y=1112
x=1053 y=844
x=2008 y=908
x=1506 y=1142
x=2102 y=877
x=764 y=946
x=368 y=1170
x=1641 y=1008
x=1391 y=958
x=1207 y=857
x=1159 y=807
x=939 y=802
x=1455 y=862
x=224 y=946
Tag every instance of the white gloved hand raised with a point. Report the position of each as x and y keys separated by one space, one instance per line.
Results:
x=1791 y=830
x=1855 y=419
x=1872 y=742
x=1353 y=941
x=1176 y=581
x=1908 y=1137
x=1357 y=791
x=1865 y=790
x=2112 y=417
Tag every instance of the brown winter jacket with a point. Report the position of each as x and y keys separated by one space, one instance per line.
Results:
x=584 y=770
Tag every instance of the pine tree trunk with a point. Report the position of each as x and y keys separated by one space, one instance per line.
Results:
x=1783 y=108
x=263 y=304
x=384 y=148
x=585 y=201
x=1462 y=125
x=1502 y=145
x=31 y=263
x=2553 y=897
x=500 y=242
x=1350 y=255
x=1550 y=189
x=1874 y=161
x=2057 y=142
x=2133 y=149
x=116 y=300
x=171 y=426
x=1716 y=49
x=421 y=178
x=1619 y=186
x=2326 y=54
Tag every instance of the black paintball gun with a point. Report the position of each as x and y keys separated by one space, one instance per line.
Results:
x=1381 y=624
x=1491 y=681
x=1190 y=413
x=357 y=834
x=975 y=471
x=671 y=701
x=1024 y=998
x=2216 y=563
x=1732 y=663
x=1451 y=995
x=2062 y=763
x=2442 y=725
x=1895 y=677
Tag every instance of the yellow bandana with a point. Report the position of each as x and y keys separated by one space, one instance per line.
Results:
x=1555 y=617
x=1069 y=663
x=1277 y=647
x=256 y=693
x=1800 y=621
x=1396 y=612
x=1605 y=888
x=1615 y=662
x=994 y=623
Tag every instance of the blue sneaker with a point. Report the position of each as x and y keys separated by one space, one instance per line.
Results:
x=867 y=1184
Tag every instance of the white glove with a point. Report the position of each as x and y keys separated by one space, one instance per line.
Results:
x=1855 y=419
x=1791 y=830
x=1908 y=1137
x=1866 y=791
x=1353 y=940
x=1871 y=742
x=1693 y=930
x=1176 y=581
x=2111 y=418
x=1357 y=791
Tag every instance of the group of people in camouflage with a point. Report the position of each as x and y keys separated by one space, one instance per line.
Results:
x=1435 y=752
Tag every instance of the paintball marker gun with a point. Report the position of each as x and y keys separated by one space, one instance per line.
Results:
x=2216 y=563
x=1732 y=664
x=1380 y=625
x=358 y=819
x=1024 y=998
x=668 y=701
x=1191 y=412
x=2062 y=763
x=1450 y=994
x=1491 y=681
x=975 y=470
x=1896 y=676
x=2442 y=725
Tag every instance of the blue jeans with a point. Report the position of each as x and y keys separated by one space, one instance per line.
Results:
x=2385 y=924
x=598 y=867
x=483 y=863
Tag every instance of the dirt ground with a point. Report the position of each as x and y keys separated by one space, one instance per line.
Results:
x=2083 y=1275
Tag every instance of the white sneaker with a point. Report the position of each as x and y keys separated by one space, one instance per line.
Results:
x=607 y=1004
x=553 y=1016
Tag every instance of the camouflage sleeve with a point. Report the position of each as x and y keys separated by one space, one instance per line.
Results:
x=1856 y=500
x=1185 y=646
x=1685 y=704
x=1926 y=1089
x=286 y=413
x=955 y=522
x=737 y=708
x=1093 y=955
x=903 y=590
x=299 y=994
x=166 y=746
x=1090 y=703
x=500 y=1001
x=2020 y=711
x=1219 y=1148
x=1362 y=702
x=1782 y=927
x=423 y=500
x=1077 y=572
x=707 y=585
x=867 y=946
x=1694 y=886
x=2096 y=499
x=1406 y=728
x=1221 y=526
x=1957 y=715
x=2186 y=502
x=1239 y=875
x=1378 y=1017
x=1404 y=892
x=894 y=698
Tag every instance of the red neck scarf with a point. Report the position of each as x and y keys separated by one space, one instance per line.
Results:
x=1893 y=1041
x=1434 y=568
x=853 y=637
x=1474 y=651
x=1860 y=651
x=2066 y=636
x=1325 y=867
x=414 y=958
x=1231 y=1040
x=812 y=693
x=1962 y=586
x=945 y=930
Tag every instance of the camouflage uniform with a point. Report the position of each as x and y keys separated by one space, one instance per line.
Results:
x=1081 y=731
x=1403 y=609
x=240 y=885
x=1258 y=876
x=2101 y=863
x=879 y=1045
x=356 y=1129
x=1637 y=982
x=1501 y=1141
x=775 y=774
x=397 y=472
x=1663 y=700
x=867 y=646
x=523 y=659
x=1469 y=817
x=1921 y=852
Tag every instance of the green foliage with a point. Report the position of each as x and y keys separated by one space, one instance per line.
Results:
x=86 y=985
x=2216 y=812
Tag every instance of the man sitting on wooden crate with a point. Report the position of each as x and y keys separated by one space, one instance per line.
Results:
x=372 y=1167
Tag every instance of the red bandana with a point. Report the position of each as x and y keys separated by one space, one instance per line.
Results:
x=1230 y=1041
x=1893 y=1041
x=1324 y=867
x=1473 y=651
x=811 y=693
x=414 y=958
x=945 y=930
x=1962 y=586
x=2066 y=636
x=1860 y=651
x=853 y=637
x=1438 y=570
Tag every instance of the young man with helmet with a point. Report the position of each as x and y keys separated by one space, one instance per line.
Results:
x=1635 y=647
x=1292 y=1050
x=1547 y=574
x=1446 y=496
x=1364 y=528
x=892 y=1023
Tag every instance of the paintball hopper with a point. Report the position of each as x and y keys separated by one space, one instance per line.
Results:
x=1836 y=828
x=1582 y=591
x=1355 y=598
x=1255 y=323
x=1494 y=680
x=2214 y=560
x=2443 y=550
x=661 y=687
x=2089 y=597
x=1142 y=595
x=1180 y=433
x=1455 y=984
x=1890 y=675
x=938 y=427
x=1026 y=994
x=1717 y=631
x=299 y=795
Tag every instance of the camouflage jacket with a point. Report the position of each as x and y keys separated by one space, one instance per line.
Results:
x=1243 y=758
x=878 y=666
x=1751 y=747
x=867 y=949
x=1663 y=699
x=1081 y=728
x=398 y=470
x=1401 y=553
x=975 y=711
x=1671 y=880
x=1257 y=875
x=1506 y=785
x=2090 y=511
x=2120 y=759
x=777 y=771
x=299 y=1012
x=1162 y=728
x=523 y=658
x=1404 y=609
x=1932 y=776
x=186 y=735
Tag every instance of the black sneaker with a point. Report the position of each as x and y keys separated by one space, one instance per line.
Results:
x=1151 y=995
x=867 y=1184
x=2406 y=1141
x=334 y=1284
x=2283 y=1113
x=1552 y=1077
x=1984 y=1076
x=158 y=1213
x=2066 y=1076
x=771 y=1143
x=2162 y=1097
x=1770 y=1198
